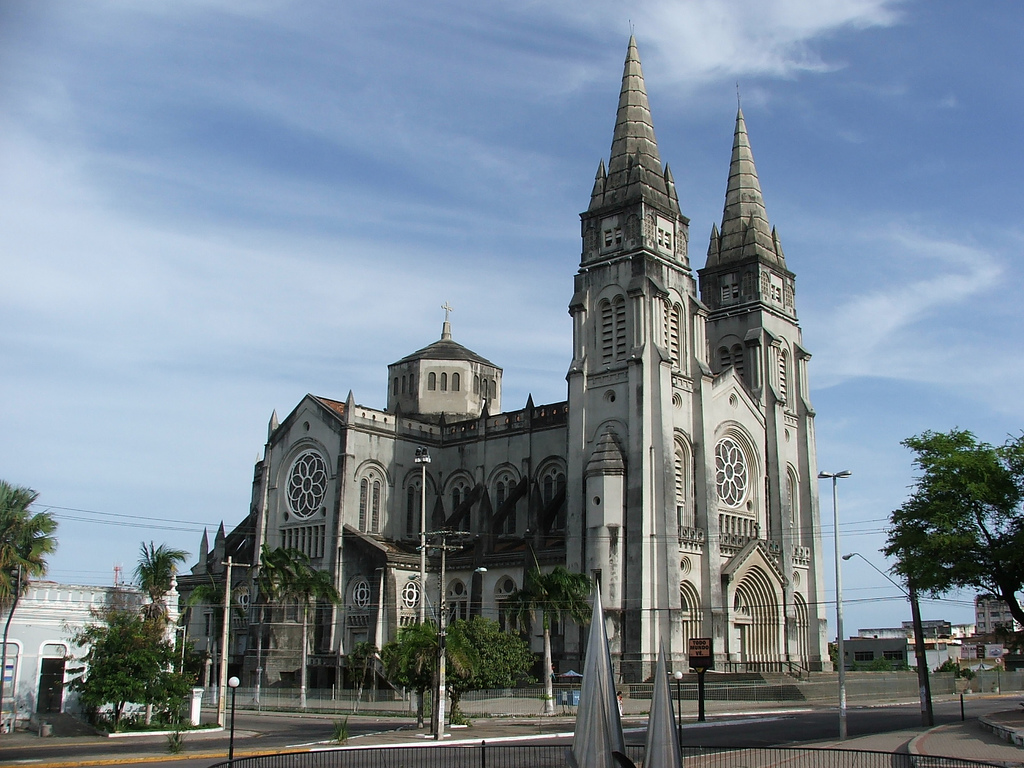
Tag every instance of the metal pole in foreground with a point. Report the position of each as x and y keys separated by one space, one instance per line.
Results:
x=678 y=675
x=233 y=685
x=423 y=458
x=834 y=476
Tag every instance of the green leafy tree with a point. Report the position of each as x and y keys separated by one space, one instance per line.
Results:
x=26 y=539
x=410 y=660
x=156 y=569
x=287 y=575
x=502 y=660
x=556 y=594
x=963 y=525
x=128 y=661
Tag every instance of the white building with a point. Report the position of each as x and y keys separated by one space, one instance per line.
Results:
x=40 y=645
x=679 y=472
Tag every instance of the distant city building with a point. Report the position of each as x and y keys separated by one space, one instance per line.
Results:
x=992 y=613
x=679 y=473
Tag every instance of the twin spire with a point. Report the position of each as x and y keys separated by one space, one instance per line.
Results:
x=634 y=168
x=635 y=172
x=746 y=233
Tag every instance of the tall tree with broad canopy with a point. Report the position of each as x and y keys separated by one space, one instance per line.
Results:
x=26 y=539
x=128 y=661
x=502 y=659
x=156 y=569
x=288 y=575
x=963 y=524
x=555 y=594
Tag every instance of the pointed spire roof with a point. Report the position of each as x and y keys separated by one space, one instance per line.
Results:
x=598 y=733
x=662 y=749
x=746 y=232
x=634 y=168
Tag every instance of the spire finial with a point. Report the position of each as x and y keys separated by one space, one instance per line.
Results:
x=738 y=104
x=446 y=329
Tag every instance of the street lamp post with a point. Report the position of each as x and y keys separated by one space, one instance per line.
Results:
x=423 y=458
x=678 y=675
x=834 y=477
x=923 y=681
x=233 y=685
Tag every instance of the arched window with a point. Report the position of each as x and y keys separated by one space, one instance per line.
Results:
x=502 y=591
x=502 y=491
x=455 y=382
x=476 y=385
x=444 y=382
x=620 y=328
x=553 y=484
x=724 y=358
x=732 y=474
x=784 y=376
x=394 y=386
x=412 y=509
x=672 y=312
x=431 y=381
x=364 y=494
x=375 y=507
x=684 y=513
x=737 y=359
x=792 y=507
x=457 y=598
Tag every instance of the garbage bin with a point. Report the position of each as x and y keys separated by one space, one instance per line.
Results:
x=45 y=729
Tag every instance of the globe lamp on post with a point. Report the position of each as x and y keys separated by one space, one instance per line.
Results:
x=233 y=685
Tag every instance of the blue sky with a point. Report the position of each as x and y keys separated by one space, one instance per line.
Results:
x=209 y=209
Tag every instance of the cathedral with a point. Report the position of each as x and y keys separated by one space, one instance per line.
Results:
x=679 y=473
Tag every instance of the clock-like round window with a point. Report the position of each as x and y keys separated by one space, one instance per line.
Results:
x=731 y=472
x=307 y=484
x=411 y=594
x=361 y=594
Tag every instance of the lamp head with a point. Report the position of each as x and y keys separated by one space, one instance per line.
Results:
x=678 y=675
x=847 y=557
x=233 y=682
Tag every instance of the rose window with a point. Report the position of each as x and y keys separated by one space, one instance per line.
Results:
x=361 y=594
x=411 y=594
x=731 y=472
x=307 y=484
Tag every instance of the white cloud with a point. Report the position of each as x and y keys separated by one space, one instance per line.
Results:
x=921 y=318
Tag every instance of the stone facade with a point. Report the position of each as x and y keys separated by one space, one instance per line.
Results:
x=679 y=472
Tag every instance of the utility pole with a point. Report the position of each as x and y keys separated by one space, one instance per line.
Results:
x=222 y=698
x=442 y=624
x=923 y=683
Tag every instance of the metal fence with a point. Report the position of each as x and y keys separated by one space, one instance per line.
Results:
x=549 y=756
x=723 y=694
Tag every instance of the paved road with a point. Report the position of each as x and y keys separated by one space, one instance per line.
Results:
x=276 y=732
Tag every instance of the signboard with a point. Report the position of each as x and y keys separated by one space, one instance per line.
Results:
x=994 y=651
x=701 y=656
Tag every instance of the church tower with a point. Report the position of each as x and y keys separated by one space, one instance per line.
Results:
x=753 y=333
x=631 y=354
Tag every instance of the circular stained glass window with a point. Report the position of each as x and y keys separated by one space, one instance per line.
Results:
x=361 y=594
x=731 y=472
x=307 y=484
x=411 y=594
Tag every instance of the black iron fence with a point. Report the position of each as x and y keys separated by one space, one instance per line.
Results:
x=548 y=756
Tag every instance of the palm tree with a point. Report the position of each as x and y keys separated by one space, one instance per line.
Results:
x=411 y=660
x=155 y=571
x=288 y=574
x=25 y=539
x=555 y=594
